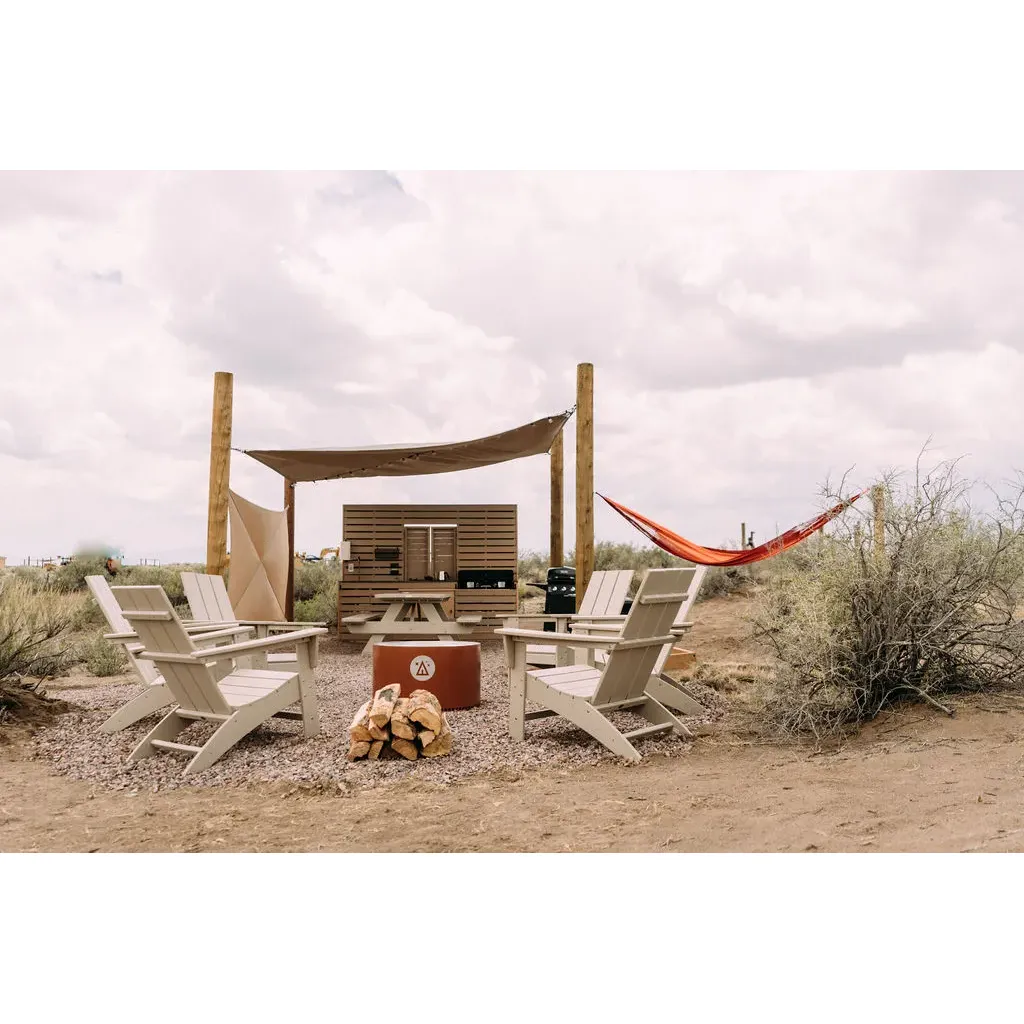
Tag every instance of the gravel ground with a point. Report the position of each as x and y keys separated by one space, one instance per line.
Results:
x=276 y=751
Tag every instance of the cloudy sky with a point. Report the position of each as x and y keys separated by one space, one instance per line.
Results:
x=752 y=333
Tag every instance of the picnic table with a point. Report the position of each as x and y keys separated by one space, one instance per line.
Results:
x=410 y=614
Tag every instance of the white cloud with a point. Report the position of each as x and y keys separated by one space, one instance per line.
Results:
x=751 y=333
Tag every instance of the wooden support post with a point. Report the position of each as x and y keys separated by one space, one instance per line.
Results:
x=556 y=552
x=584 y=478
x=878 y=503
x=289 y=508
x=220 y=473
x=743 y=535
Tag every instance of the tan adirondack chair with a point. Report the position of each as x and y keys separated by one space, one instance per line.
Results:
x=670 y=692
x=585 y=694
x=208 y=601
x=240 y=701
x=605 y=594
x=156 y=694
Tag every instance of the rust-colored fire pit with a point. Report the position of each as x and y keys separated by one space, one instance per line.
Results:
x=449 y=669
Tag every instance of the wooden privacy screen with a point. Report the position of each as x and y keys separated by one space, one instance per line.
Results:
x=428 y=539
x=258 y=575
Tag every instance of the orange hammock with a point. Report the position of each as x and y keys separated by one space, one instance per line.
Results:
x=683 y=548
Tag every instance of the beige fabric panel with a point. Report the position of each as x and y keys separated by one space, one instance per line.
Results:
x=258 y=577
x=405 y=460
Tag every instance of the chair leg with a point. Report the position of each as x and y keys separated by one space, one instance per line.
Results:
x=668 y=692
x=240 y=724
x=582 y=713
x=657 y=714
x=144 y=704
x=307 y=692
x=515 y=655
x=170 y=726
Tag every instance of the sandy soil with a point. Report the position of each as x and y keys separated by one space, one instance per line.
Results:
x=913 y=781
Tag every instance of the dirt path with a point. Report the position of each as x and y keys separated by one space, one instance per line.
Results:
x=915 y=782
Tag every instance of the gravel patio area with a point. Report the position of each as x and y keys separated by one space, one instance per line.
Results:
x=276 y=751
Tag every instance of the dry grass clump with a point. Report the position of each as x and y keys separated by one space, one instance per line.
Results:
x=855 y=630
x=34 y=626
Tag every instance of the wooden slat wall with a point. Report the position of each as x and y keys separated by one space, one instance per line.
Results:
x=486 y=538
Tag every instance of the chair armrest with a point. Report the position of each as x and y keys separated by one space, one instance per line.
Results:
x=560 y=639
x=283 y=625
x=218 y=653
x=217 y=634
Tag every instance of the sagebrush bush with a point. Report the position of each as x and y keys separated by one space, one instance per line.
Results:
x=321 y=607
x=103 y=658
x=855 y=631
x=34 y=627
x=313 y=578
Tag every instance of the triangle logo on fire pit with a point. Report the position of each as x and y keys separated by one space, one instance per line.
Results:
x=422 y=667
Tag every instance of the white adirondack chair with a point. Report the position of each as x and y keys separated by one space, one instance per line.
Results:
x=585 y=694
x=208 y=601
x=605 y=594
x=156 y=694
x=671 y=693
x=240 y=700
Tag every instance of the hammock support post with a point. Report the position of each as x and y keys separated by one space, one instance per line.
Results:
x=289 y=509
x=556 y=550
x=220 y=472
x=878 y=504
x=584 y=478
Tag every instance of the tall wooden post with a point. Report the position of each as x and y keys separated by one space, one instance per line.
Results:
x=743 y=535
x=878 y=503
x=220 y=472
x=289 y=509
x=584 y=477
x=556 y=551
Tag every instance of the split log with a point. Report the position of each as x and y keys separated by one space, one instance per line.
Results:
x=358 y=750
x=425 y=708
x=443 y=744
x=375 y=749
x=400 y=724
x=357 y=731
x=378 y=734
x=383 y=703
x=406 y=748
x=426 y=737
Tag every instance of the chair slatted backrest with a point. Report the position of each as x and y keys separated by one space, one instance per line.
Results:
x=606 y=592
x=207 y=597
x=628 y=668
x=151 y=615
x=693 y=589
x=100 y=589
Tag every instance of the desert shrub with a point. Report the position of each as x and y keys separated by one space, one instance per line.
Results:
x=102 y=657
x=312 y=578
x=321 y=607
x=933 y=614
x=166 y=576
x=71 y=577
x=34 y=625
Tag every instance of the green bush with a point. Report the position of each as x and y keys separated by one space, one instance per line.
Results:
x=322 y=607
x=312 y=578
x=103 y=658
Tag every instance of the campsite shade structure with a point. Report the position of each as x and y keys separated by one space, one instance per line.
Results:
x=311 y=464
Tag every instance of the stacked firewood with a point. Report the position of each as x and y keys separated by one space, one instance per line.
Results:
x=413 y=726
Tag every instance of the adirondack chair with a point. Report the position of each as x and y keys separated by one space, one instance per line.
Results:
x=208 y=601
x=605 y=594
x=156 y=694
x=585 y=694
x=670 y=692
x=240 y=701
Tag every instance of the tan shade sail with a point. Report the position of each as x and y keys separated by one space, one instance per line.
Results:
x=258 y=575
x=413 y=460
